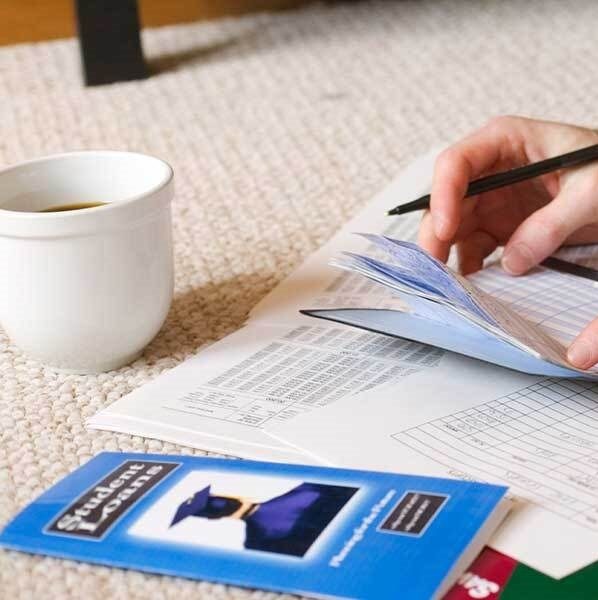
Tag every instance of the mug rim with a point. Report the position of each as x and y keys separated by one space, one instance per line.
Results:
x=74 y=214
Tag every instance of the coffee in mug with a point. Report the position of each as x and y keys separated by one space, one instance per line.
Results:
x=85 y=290
x=67 y=207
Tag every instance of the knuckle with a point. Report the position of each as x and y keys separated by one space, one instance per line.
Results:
x=592 y=337
x=425 y=224
x=501 y=123
x=451 y=162
x=589 y=336
x=550 y=228
x=592 y=332
x=593 y=185
x=446 y=158
x=593 y=209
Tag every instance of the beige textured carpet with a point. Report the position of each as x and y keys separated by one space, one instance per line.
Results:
x=279 y=127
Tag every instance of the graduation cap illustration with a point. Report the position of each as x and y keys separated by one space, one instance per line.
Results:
x=204 y=504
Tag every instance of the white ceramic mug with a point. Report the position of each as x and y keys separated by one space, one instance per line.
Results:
x=85 y=290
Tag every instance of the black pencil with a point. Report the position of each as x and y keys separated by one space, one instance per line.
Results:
x=498 y=180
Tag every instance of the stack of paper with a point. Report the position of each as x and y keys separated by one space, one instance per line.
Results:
x=282 y=364
x=471 y=420
x=452 y=313
x=289 y=387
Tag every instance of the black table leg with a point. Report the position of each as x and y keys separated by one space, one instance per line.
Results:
x=110 y=42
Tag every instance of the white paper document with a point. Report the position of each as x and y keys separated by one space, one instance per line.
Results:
x=467 y=419
x=292 y=388
x=282 y=363
x=560 y=304
x=222 y=399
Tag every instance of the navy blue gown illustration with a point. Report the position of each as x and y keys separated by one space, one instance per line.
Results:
x=287 y=524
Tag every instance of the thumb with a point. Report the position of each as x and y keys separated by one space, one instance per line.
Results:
x=583 y=352
x=548 y=228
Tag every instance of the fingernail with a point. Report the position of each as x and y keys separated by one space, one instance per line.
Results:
x=518 y=259
x=441 y=225
x=580 y=354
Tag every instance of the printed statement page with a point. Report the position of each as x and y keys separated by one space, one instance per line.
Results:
x=471 y=420
x=283 y=364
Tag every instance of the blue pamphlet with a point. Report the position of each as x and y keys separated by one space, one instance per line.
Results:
x=310 y=530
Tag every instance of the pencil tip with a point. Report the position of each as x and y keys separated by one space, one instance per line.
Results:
x=393 y=211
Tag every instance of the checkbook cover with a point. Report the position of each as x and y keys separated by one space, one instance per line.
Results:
x=451 y=332
x=310 y=530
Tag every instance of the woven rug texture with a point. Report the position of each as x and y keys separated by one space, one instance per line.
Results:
x=279 y=127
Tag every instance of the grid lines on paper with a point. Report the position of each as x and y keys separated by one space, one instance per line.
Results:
x=542 y=441
x=561 y=304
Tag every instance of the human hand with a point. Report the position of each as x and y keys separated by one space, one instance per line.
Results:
x=530 y=219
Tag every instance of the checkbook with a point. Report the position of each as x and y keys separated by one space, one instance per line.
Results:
x=522 y=323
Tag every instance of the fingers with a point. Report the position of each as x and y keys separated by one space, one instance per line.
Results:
x=505 y=142
x=586 y=235
x=583 y=352
x=473 y=250
x=466 y=161
x=549 y=227
x=428 y=241
x=439 y=248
